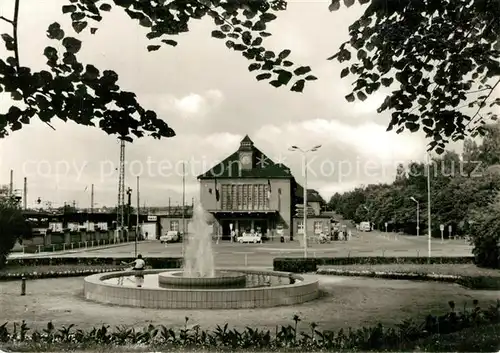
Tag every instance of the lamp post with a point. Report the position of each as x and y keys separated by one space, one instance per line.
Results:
x=418 y=214
x=429 y=230
x=304 y=166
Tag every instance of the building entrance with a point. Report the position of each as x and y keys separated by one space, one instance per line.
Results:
x=243 y=225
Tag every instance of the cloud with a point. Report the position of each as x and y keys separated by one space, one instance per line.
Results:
x=191 y=105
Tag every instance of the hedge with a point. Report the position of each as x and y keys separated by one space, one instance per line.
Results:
x=154 y=262
x=302 y=265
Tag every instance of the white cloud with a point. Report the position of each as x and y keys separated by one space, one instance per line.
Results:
x=191 y=105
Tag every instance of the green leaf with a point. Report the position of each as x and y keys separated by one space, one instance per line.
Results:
x=344 y=72
x=284 y=77
x=361 y=96
x=105 y=7
x=387 y=81
x=93 y=30
x=169 y=42
x=153 y=47
x=218 y=34
x=298 y=86
x=267 y=17
x=264 y=76
x=334 y=6
x=265 y=34
x=55 y=32
x=302 y=70
x=311 y=78
x=348 y=3
x=284 y=54
x=68 y=8
x=72 y=45
x=350 y=98
x=79 y=26
x=253 y=67
x=276 y=83
x=287 y=63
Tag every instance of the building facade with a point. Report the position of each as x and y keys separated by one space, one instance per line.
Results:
x=248 y=190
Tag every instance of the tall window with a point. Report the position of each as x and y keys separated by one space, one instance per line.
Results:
x=318 y=227
x=300 y=227
x=244 y=197
x=174 y=225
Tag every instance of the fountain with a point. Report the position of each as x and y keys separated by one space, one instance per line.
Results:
x=199 y=257
x=199 y=285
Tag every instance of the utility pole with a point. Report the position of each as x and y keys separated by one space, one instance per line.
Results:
x=137 y=220
x=183 y=204
x=11 y=184
x=121 y=192
x=25 y=196
x=129 y=202
x=92 y=199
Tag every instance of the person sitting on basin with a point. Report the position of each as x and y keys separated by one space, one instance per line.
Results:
x=139 y=267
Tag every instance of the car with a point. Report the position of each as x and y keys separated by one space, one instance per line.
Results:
x=170 y=237
x=250 y=238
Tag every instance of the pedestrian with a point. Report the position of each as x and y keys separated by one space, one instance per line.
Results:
x=139 y=267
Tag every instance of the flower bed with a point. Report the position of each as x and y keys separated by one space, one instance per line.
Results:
x=468 y=276
x=301 y=265
x=379 y=338
x=12 y=273
x=48 y=267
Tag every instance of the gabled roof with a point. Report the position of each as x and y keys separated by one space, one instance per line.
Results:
x=312 y=195
x=263 y=167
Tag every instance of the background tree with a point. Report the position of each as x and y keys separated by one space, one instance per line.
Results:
x=12 y=224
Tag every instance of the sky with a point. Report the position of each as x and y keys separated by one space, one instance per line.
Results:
x=206 y=94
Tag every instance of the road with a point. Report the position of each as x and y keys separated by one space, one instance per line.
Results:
x=234 y=254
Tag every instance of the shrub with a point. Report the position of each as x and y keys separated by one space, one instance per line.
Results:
x=485 y=233
x=301 y=265
x=12 y=226
x=287 y=337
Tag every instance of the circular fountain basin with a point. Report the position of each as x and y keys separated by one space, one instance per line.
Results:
x=288 y=289
x=222 y=279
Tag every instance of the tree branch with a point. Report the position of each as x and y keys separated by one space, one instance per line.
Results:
x=6 y=20
x=14 y=23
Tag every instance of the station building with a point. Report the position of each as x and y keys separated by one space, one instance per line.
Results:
x=248 y=190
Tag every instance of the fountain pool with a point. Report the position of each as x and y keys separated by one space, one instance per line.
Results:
x=199 y=285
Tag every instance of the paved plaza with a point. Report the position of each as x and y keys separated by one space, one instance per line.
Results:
x=262 y=255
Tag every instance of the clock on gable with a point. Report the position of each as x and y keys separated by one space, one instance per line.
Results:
x=246 y=160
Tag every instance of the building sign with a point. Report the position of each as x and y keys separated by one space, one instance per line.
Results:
x=102 y=225
x=56 y=227
x=152 y=218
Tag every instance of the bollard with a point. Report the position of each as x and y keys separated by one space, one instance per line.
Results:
x=71 y=246
x=246 y=260
x=92 y=244
x=39 y=248
x=314 y=254
x=64 y=247
x=53 y=248
x=23 y=248
x=85 y=245
x=23 y=286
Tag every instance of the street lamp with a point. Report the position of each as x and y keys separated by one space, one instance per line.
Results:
x=429 y=230
x=304 y=154
x=418 y=215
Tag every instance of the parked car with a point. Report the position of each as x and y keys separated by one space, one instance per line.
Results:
x=250 y=238
x=172 y=236
x=365 y=227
